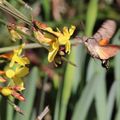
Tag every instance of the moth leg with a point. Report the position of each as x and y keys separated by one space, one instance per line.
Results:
x=105 y=63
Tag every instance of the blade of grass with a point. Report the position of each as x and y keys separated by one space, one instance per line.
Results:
x=42 y=100
x=100 y=94
x=117 y=76
x=79 y=70
x=29 y=95
x=91 y=70
x=111 y=101
x=91 y=17
x=57 y=104
x=67 y=87
x=46 y=6
x=117 y=69
x=84 y=102
x=10 y=112
x=33 y=115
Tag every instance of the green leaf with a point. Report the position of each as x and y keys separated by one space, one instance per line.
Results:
x=117 y=69
x=111 y=100
x=84 y=102
x=71 y=74
x=79 y=60
x=29 y=95
x=100 y=94
x=57 y=104
x=117 y=76
x=46 y=7
x=9 y=111
x=91 y=16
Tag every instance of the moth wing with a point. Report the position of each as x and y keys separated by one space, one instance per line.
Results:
x=103 y=42
x=105 y=32
x=107 y=51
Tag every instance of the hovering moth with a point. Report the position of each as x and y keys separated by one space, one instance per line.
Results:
x=98 y=45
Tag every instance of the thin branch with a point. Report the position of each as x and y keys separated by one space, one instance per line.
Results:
x=42 y=115
x=28 y=46
x=17 y=108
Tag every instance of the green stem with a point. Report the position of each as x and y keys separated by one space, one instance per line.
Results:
x=28 y=46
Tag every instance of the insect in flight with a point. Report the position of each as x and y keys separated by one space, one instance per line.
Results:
x=98 y=45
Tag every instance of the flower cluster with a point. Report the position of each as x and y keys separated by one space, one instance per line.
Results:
x=58 y=41
x=13 y=74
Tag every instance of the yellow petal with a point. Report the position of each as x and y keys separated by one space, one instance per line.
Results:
x=21 y=72
x=72 y=29
x=19 y=83
x=10 y=73
x=50 y=30
x=68 y=47
x=15 y=35
x=19 y=60
x=26 y=60
x=53 y=51
x=6 y=91
x=41 y=38
x=65 y=31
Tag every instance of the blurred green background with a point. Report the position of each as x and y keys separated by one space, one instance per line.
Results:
x=85 y=92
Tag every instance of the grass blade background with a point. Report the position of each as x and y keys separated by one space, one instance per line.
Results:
x=68 y=84
x=100 y=94
x=84 y=102
x=111 y=101
x=91 y=17
x=117 y=69
x=78 y=71
x=57 y=104
x=10 y=112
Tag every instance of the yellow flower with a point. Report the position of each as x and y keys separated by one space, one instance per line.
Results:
x=6 y=91
x=16 y=58
x=15 y=35
x=17 y=69
x=53 y=51
x=62 y=38
x=54 y=39
x=17 y=75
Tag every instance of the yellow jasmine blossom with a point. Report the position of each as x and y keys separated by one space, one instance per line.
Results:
x=62 y=38
x=16 y=58
x=6 y=91
x=15 y=35
x=16 y=75
x=53 y=51
x=54 y=39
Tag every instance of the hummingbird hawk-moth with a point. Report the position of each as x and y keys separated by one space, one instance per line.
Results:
x=98 y=45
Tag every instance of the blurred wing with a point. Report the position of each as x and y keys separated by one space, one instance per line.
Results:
x=108 y=51
x=103 y=42
x=105 y=32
